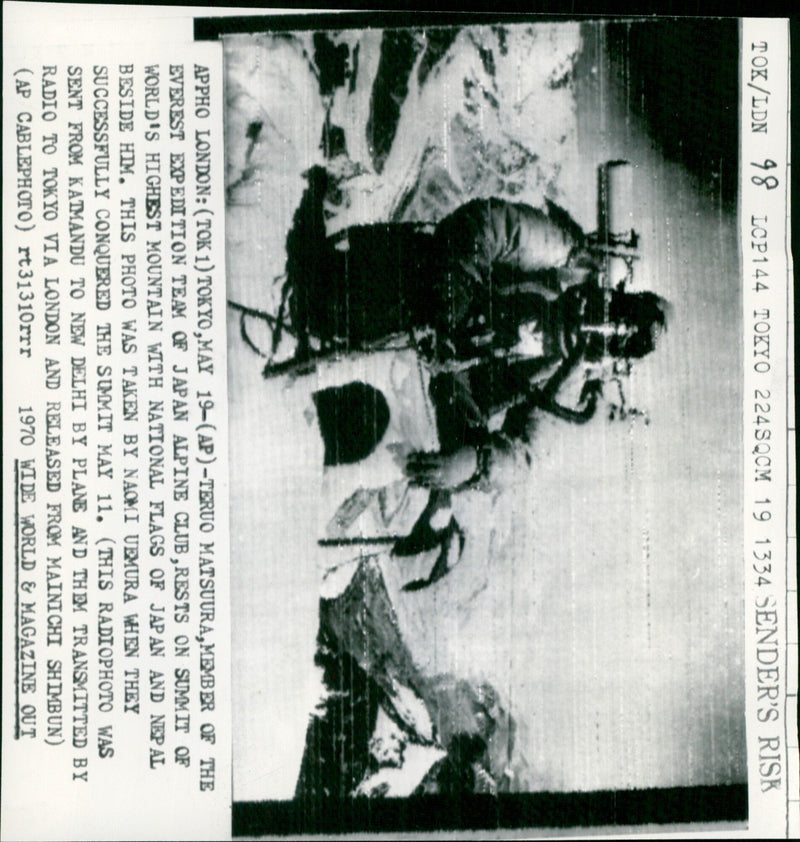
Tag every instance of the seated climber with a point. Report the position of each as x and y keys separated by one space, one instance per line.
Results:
x=464 y=281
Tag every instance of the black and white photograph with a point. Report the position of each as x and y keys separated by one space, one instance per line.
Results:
x=399 y=426
x=484 y=319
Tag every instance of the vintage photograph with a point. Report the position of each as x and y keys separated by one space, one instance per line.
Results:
x=485 y=409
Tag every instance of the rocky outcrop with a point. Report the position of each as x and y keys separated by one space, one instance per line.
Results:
x=387 y=729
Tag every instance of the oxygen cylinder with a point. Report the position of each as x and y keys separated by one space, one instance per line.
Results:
x=619 y=198
x=615 y=203
x=615 y=218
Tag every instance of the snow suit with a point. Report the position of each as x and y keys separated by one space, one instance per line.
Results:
x=486 y=268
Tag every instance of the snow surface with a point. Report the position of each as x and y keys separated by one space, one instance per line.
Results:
x=400 y=782
x=412 y=711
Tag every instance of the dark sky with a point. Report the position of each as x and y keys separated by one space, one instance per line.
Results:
x=683 y=78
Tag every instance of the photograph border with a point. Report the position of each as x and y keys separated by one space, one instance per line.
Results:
x=724 y=803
